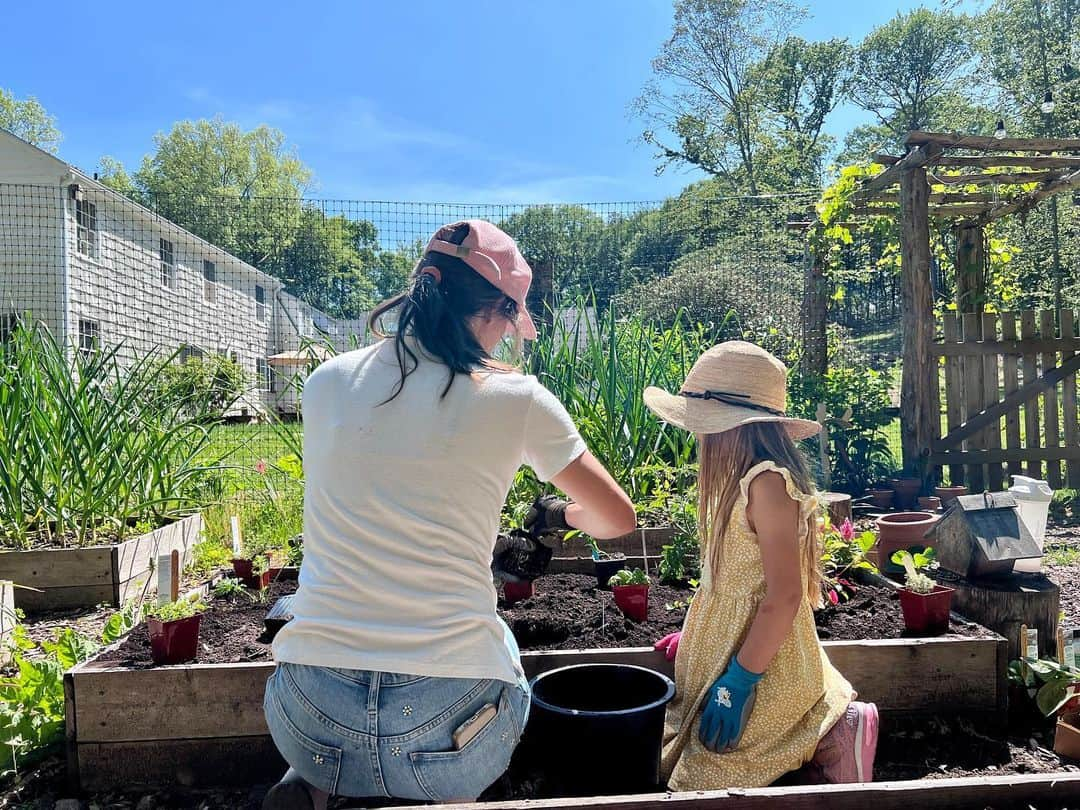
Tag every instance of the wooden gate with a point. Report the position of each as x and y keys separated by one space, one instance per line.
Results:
x=1010 y=398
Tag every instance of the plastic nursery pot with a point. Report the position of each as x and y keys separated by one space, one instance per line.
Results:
x=906 y=491
x=242 y=568
x=903 y=530
x=176 y=641
x=881 y=498
x=514 y=592
x=606 y=569
x=633 y=601
x=949 y=494
x=926 y=613
x=930 y=504
x=597 y=728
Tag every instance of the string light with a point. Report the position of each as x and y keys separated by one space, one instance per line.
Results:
x=1047 y=105
x=1000 y=132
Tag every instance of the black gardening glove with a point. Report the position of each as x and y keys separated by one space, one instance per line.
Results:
x=547 y=519
x=518 y=557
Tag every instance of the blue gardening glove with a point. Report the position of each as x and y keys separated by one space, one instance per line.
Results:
x=727 y=707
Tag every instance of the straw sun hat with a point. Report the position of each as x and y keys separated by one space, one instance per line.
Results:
x=730 y=385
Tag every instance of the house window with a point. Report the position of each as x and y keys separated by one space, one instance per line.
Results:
x=235 y=357
x=89 y=336
x=8 y=323
x=187 y=352
x=86 y=227
x=209 y=274
x=260 y=302
x=262 y=374
x=168 y=263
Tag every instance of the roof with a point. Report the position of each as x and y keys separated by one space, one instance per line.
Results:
x=994 y=525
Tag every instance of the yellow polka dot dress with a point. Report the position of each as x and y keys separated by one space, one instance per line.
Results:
x=801 y=696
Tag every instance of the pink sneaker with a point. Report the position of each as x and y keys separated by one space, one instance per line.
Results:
x=846 y=755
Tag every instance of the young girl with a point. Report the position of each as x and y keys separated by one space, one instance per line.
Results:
x=756 y=696
x=396 y=677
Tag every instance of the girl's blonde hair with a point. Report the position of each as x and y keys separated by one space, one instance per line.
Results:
x=724 y=459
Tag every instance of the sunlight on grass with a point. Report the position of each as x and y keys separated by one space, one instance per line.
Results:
x=1062 y=555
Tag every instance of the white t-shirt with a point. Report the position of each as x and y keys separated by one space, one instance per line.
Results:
x=401 y=509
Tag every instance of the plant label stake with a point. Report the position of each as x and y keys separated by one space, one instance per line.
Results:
x=1069 y=655
x=235 y=523
x=164 y=578
x=644 y=554
x=174 y=576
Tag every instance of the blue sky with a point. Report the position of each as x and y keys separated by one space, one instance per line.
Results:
x=485 y=101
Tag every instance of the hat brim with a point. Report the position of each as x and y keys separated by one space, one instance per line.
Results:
x=710 y=416
x=526 y=325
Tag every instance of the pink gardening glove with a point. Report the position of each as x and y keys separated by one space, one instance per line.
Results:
x=669 y=644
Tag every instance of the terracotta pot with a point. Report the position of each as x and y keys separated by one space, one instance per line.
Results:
x=931 y=504
x=633 y=601
x=906 y=492
x=903 y=530
x=174 y=642
x=606 y=569
x=927 y=613
x=949 y=494
x=242 y=568
x=881 y=498
x=514 y=592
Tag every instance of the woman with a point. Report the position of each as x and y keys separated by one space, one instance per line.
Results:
x=756 y=695
x=396 y=678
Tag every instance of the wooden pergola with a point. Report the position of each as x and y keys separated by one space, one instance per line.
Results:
x=973 y=181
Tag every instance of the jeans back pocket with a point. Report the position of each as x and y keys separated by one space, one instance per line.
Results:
x=462 y=775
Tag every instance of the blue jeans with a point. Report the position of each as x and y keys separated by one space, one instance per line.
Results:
x=377 y=734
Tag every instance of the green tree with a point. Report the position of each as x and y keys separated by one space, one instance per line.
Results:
x=27 y=119
x=907 y=69
x=565 y=238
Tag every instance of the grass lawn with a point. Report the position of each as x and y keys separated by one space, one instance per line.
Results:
x=246 y=445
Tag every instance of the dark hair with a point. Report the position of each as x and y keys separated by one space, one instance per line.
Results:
x=436 y=309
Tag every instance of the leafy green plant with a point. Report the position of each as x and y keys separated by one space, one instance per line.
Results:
x=32 y=689
x=842 y=552
x=88 y=450
x=624 y=577
x=914 y=565
x=680 y=560
x=173 y=611
x=205 y=386
x=228 y=587
x=682 y=604
x=208 y=558
x=1054 y=684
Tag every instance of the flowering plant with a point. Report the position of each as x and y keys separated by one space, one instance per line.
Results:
x=843 y=551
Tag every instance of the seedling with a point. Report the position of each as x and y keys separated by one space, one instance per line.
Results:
x=914 y=564
x=624 y=577
x=174 y=611
x=229 y=587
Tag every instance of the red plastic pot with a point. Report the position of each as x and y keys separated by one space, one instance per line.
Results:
x=927 y=613
x=903 y=530
x=633 y=601
x=906 y=492
x=242 y=568
x=174 y=642
x=514 y=592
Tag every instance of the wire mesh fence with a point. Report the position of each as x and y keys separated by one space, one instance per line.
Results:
x=237 y=299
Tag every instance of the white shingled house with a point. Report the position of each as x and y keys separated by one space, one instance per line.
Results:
x=95 y=266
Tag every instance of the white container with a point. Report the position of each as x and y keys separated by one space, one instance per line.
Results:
x=1033 y=503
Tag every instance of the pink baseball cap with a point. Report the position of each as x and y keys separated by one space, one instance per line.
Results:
x=493 y=254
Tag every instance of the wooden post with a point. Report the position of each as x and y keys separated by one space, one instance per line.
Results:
x=919 y=421
x=970 y=259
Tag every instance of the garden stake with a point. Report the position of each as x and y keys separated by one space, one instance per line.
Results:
x=164 y=578
x=644 y=554
x=174 y=576
x=1060 y=646
x=234 y=521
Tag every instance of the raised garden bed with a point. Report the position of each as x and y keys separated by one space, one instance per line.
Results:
x=202 y=723
x=575 y=557
x=84 y=577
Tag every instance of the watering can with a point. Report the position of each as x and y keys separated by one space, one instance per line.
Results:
x=1033 y=504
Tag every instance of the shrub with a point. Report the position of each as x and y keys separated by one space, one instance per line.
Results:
x=207 y=386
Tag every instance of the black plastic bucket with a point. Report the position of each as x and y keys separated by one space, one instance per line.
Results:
x=597 y=728
x=606 y=569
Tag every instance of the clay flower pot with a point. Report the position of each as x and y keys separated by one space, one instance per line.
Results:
x=515 y=592
x=881 y=498
x=930 y=504
x=949 y=494
x=633 y=601
x=906 y=492
x=903 y=530
x=606 y=568
x=174 y=642
x=926 y=613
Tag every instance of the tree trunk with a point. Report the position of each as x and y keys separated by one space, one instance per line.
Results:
x=970 y=275
x=1022 y=599
x=919 y=419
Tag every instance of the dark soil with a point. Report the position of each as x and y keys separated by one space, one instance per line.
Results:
x=874 y=612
